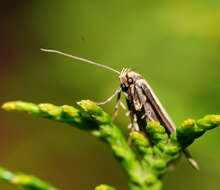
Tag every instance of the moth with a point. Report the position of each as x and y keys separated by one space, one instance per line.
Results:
x=142 y=103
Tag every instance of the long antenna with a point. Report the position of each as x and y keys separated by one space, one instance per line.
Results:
x=80 y=59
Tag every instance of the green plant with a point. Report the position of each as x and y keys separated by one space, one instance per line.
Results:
x=144 y=163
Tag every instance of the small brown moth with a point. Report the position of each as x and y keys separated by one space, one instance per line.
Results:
x=141 y=100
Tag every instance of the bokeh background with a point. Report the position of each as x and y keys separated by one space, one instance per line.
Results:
x=175 y=45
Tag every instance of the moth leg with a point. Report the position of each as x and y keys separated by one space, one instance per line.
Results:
x=149 y=113
x=130 y=126
x=117 y=91
x=128 y=113
x=133 y=126
x=115 y=113
x=122 y=105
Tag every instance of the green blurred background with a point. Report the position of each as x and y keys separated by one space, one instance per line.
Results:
x=175 y=45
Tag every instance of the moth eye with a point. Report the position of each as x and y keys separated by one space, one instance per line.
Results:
x=130 y=80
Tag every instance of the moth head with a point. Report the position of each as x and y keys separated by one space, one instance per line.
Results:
x=127 y=78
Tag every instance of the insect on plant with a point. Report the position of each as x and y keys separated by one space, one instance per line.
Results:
x=142 y=103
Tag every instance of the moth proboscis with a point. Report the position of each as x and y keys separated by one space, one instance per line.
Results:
x=142 y=103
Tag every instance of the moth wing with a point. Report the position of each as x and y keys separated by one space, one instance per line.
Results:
x=166 y=120
x=159 y=109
